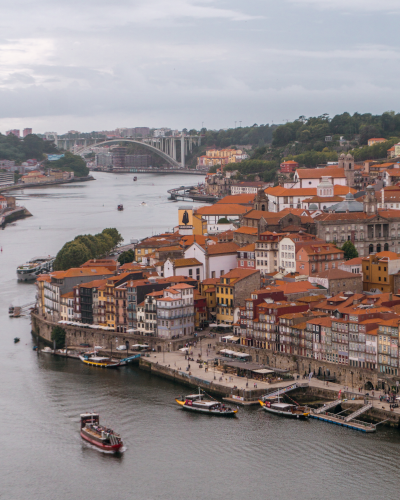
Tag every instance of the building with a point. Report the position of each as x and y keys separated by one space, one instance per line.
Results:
x=3 y=202
x=246 y=257
x=311 y=177
x=221 y=217
x=175 y=312
x=118 y=157
x=6 y=179
x=381 y=272
x=200 y=310
x=337 y=281
x=26 y=131
x=288 y=166
x=376 y=140
x=352 y=265
x=13 y=132
x=83 y=301
x=288 y=247
x=232 y=290
x=67 y=306
x=247 y=187
x=316 y=258
x=183 y=267
x=388 y=347
x=216 y=258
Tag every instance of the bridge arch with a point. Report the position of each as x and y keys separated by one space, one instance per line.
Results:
x=151 y=148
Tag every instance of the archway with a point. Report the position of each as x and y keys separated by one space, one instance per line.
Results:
x=378 y=248
x=369 y=386
x=386 y=247
x=371 y=248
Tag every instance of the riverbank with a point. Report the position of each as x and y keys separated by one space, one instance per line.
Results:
x=45 y=184
x=13 y=215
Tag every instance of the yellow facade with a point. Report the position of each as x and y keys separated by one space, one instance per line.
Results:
x=110 y=304
x=199 y=225
x=142 y=252
x=376 y=274
x=224 y=301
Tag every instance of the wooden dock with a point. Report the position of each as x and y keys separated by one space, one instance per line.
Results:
x=356 y=425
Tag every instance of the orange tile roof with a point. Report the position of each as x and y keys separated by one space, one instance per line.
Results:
x=337 y=274
x=324 y=321
x=238 y=274
x=222 y=248
x=246 y=230
x=321 y=249
x=210 y=281
x=247 y=248
x=78 y=271
x=187 y=262
x=316 y=173
x=289 y=287
x=68 y=295
x=196 y=238
x=223 y=209
x=240 y=199
x=353 y=262
x=93 y=284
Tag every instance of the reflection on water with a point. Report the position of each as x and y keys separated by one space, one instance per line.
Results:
x=169 y=453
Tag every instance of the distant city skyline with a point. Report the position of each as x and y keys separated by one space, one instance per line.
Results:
x=184 y=63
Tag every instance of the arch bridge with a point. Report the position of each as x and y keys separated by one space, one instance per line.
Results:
x=165 y=147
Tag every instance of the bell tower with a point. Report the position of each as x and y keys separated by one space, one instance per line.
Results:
x=261 y=201
x=370 y=202
x=348 y=165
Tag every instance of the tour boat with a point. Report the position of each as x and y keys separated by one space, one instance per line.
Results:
x=100 y=361
x=16 y=340
x=120 y=208
x=34 y=267
x=284 y=409
x=199 y=404
x=97 y=434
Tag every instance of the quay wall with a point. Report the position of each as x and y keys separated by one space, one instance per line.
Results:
x=346 y=375
x=44 y=184
x=76 y=335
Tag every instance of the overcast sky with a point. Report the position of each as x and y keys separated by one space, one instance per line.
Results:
x=95 y=64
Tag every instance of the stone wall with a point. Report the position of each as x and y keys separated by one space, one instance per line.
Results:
x=244 y=288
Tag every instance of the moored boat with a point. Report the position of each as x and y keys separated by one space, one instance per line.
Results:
x=100 y=361
x=200 y=404
x=34 y=267
x=285 y=409
x=16 y=340
x=97 y=434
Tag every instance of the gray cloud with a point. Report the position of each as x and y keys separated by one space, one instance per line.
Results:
x=92 y=66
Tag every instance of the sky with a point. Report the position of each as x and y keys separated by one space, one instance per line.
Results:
x=96 y=65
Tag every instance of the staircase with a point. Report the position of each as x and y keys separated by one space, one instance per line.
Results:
x=358 y=412
x=328 y=406
x=283 y=390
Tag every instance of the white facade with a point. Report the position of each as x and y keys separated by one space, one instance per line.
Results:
x=267 y=260
x=214 y=266
x=195 y=271
x=52 y=300
x=287 y=255
x=219 y=228
x=67 y=309
x=175 y=312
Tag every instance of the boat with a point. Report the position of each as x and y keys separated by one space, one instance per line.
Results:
x=135 y=178
x=285 y=409
x=100 y=361
x=143 y=203
x=32 y=269
x=97 y=434
x=199 y=403
x=16 y=340
x=92 y=359
x=120 y=208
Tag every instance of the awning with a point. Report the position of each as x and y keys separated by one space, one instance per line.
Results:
x=235 y=339
x=213 y=325
x=227 y=337
x=223 y=325
x=139 y=345
x=263 y=371
x=184 y=349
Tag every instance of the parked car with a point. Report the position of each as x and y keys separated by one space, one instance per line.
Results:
x=84 y=345
x=121 y=348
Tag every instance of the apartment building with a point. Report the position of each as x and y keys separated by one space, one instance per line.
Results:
x=175 y=312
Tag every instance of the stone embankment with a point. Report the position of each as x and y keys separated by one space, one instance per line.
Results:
x=13 y=215
x=45 y=184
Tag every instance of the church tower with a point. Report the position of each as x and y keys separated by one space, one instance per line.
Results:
x=347 y=163
x=370 y=202
x=261 y=201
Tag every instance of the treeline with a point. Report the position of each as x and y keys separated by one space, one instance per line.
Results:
x=265 y=169
x=373 y=152
x=313 y=158
x=70 y=163
x=256 y=135
x=312 y=131
x=86 y=247
x=19 y=150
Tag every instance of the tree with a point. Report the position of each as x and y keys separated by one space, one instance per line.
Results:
x=71 y=162
x=126 y=257
x=58 y=334
x=350 y=251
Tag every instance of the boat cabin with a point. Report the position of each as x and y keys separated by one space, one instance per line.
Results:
x=89 y=418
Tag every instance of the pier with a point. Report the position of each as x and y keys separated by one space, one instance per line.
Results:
x=189 y=193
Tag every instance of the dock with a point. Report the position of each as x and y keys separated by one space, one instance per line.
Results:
x=356 y=425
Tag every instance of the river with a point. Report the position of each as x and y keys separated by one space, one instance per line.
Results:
x=170 y=454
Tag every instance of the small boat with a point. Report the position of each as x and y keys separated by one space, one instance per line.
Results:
x=16 y=340
x=47 y=350
x=200 y=404
x=285 y=410
x=143 y=203
x=120 y=208
x=97 y=434
x=135 y=178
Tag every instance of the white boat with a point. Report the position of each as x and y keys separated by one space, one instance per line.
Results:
x=285 y=409
x=199 y=404
x=34 y=267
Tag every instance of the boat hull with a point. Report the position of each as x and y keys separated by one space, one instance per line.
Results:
x=287 y=414
x=99 y=444
x=99 y=365
x=205 y=411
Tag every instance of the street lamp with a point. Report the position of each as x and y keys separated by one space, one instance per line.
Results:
x=352 y=373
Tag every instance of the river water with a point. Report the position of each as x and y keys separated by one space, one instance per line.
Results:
x=169 y=454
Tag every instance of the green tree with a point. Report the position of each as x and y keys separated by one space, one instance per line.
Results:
x=71 y=162
x=350 y=251
x=58 y=334
x=126 y=257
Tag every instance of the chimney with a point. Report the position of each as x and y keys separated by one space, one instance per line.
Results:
x=390 y=296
